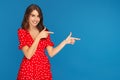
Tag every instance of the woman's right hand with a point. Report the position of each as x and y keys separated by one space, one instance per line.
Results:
x=44 y=33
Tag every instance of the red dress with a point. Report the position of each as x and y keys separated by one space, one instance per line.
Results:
x=38 y=67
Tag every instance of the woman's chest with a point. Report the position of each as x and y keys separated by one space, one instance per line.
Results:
x=41 y=44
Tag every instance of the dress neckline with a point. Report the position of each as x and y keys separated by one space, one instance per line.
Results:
x=30 y=35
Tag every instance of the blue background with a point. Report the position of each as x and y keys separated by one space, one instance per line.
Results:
x=97 y=22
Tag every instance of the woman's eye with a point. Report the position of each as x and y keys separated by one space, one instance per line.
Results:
x=32 y=15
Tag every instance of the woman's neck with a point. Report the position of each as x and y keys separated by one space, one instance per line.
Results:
x=32 y=29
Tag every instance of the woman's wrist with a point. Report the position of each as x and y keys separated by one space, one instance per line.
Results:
x=65 y=42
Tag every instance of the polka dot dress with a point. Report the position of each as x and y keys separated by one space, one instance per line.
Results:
x=38 y=67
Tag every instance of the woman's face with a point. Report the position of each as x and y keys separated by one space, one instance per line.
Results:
x=34 y=18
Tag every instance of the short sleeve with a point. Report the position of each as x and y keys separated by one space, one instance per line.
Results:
x=49 y=42
x=21 y=38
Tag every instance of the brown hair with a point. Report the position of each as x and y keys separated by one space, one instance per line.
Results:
x=30 y=8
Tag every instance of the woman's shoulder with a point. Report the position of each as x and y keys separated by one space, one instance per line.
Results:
x=22 y=31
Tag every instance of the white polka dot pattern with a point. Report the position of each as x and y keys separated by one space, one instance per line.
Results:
x=38 y=67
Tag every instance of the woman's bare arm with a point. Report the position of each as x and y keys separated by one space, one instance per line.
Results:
x=69 y=40
x=29 y=51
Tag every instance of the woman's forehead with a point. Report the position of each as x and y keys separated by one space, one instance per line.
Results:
x=34 y=12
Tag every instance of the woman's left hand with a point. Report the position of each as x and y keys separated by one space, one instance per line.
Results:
x=70 y=39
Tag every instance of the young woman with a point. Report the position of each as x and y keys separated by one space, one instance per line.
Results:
x=34 y=39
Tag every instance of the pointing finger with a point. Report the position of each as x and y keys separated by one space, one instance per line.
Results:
x=75 y=38
x=49 y=32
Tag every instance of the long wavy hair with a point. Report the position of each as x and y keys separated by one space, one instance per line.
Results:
x=25 y=22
